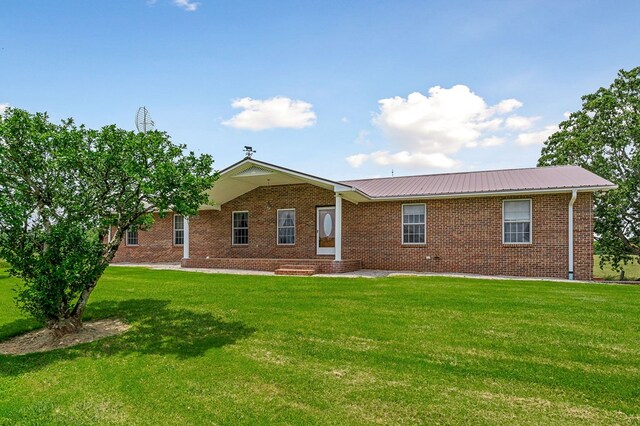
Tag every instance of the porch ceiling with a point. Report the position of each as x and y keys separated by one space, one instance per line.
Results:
x=250 y=174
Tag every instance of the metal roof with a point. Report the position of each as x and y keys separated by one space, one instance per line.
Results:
x=538 y=179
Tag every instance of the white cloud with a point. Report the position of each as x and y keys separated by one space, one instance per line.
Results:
x=403 y=158
x=505 y=106
x=427 y=128
x=491 y=141
x=3 y=107
x=536 y=138
x=344 y=119
x=443 y=121
x=277 y=112
x=519 y=122
x=189 y=6
x=357 y=160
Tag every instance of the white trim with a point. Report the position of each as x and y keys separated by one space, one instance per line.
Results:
x=338 y=228
x=490 y=194
x=423 y=224
x=530 y=222
x=324 y=251
x=278 y=227
x=173 y=238
x=185 y=246
x=574 y=195
x=233 y=228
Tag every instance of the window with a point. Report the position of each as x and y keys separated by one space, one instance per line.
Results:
x=516 y=215
x=178 y=230
x=240 y=228
x=286 y=226
x=413 y=223
x=132 y=236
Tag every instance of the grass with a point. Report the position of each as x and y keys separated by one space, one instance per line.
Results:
x=255 y=350
x=631 y=271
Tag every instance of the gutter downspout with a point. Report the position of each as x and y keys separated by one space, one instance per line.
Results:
x=574 y=195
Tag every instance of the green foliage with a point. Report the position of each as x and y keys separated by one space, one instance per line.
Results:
x=604 y=137
x=606 y=272
x=63 y=187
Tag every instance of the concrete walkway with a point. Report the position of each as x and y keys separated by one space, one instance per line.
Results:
x=362 y=273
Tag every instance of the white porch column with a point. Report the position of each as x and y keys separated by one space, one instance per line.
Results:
x=185 y=245
x=338 y=229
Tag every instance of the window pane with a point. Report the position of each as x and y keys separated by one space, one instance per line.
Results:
x=413 y=213
x=517 y=221
x=241 y=228
x=413 y=234
x=132 y=237
x=286 y=226
x=413 y=221
x=179 y=237
x=517 y=210
x=178 y=222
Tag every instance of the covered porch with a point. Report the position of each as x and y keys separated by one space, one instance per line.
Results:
x=307 y=255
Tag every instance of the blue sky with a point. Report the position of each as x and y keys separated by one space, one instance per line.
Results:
x=337 y=89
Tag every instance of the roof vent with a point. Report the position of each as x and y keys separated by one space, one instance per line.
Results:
x=254 y=171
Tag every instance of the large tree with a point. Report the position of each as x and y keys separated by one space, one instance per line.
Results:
x=604 y=137
x=65 y=189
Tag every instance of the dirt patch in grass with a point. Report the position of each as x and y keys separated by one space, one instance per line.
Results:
x=43 y=340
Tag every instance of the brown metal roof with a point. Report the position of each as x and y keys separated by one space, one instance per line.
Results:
x=514 y=180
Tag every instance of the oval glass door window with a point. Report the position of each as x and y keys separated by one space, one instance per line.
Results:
x=327 y=225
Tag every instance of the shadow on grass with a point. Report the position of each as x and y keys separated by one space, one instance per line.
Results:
x=155 y=329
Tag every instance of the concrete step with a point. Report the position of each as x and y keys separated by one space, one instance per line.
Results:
x=296 y=271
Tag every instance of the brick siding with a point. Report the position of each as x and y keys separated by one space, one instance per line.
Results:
x=463 y=235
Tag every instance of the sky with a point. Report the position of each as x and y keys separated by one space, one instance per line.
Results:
x=339 y=89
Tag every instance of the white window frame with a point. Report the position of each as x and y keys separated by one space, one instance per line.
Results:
x=278 y=227
x=530 y=222
x=424 y=225
x=174 y=229
x=137 y=238
x=233 y=228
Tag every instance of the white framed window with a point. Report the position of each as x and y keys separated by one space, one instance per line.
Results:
x=178 y=230
x=516 y=221
x=286 y=227
x=240 y=225
x=414 y=224
x=132 y=236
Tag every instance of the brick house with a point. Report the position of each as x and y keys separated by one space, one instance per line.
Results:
x=534 y=222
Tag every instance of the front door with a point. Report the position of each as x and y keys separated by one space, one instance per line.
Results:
x=326 y=230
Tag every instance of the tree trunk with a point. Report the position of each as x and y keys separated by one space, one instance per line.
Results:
x=64 y=326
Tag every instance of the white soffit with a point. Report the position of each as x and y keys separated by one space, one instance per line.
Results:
x=249 y=176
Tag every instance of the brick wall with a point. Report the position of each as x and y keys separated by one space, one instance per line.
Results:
x=154 y=245
x=463 y=235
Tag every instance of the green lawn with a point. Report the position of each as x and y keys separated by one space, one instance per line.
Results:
x=631 y=271
x=255 y=350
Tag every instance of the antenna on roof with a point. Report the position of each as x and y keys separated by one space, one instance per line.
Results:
x=144 y=123
x=391 y=172
x=248 y=151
